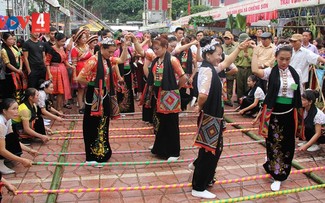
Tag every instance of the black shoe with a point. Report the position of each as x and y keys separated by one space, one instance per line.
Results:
x=26 y=141
x=211 y=183
x=67 y=106
x=229 y=103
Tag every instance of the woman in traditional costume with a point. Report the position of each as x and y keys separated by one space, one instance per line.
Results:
x=44 y=104
x=125 y=96
x=101 y=102
x=250 y=104
x=210 y=121
x=79 y=55
x=313 y=121
x=188 y=62
x=29 y=122
x=56 y=64
x=16 y=81
x=10 y=147
x=92 y=42
x=162 y=94
x=279 y=117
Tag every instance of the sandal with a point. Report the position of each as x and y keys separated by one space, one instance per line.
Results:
x=67 y=106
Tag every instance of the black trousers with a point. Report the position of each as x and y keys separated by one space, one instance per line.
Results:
x=35 y=76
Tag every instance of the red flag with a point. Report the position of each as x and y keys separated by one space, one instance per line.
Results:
x=189 y=7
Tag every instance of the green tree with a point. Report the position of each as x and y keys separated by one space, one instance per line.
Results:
x=177 y=7
x=199 y=8
x=124 y=10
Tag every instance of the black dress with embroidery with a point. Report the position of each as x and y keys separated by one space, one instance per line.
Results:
x=280 y=143
x=126 y=98
x=206 y=162
x=166 y=125
x=96 y=128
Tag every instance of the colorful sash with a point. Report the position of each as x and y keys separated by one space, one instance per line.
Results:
x=265 y=121
x=98 y=97
x=299 y=123
x=168 y=101
x=114 y=108
x=146 y=96
x=209 y=131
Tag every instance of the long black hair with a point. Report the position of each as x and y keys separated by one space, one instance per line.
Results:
x=6 y=104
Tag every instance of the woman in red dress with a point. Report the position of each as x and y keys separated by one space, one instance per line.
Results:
x=79 y=55
x=56 y=65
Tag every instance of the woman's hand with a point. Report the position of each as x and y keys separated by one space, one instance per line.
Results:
x=59 y=119
x=60 y=114
x=49 y=131
x=20 y=72
x=303 y=148
x=45 y=138
x=12 y=190
x=252 y=44
x=33 y=152
x=244 y=44
x=50 y=76
x=241 y=112
x=131 y=36
x=26 y=162
x=197 y=109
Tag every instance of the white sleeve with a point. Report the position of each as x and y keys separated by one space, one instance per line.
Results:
x=259 y=94
x=41 y=99
x=204 y=80
x=319 y=117
x=267 y=73
x=3 y=130
x=312 y=58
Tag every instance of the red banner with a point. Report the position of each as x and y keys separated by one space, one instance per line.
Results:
x=157 y=5
x=41 y=22
x=262 y=16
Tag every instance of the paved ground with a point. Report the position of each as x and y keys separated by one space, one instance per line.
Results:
x=40 y=177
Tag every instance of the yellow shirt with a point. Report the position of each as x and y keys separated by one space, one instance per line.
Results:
x=5 y=57
x=265 y=55
x=24 y=113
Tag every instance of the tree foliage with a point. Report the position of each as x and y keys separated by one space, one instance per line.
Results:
x=124 y=10
x=198 y=20
x=238 y=22
x=177 y=7
x=199 y=8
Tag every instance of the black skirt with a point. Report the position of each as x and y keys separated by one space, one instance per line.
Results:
x=126 y=99
x=280 y=144
x=12 y=144
x=205 y=166
x=95 y=131
x=167 y=142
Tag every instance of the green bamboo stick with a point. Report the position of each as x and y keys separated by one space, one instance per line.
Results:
x=268 y=194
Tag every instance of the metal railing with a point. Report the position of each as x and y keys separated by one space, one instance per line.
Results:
x=83 y=13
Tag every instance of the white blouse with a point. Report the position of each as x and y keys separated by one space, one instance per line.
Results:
x=5 y=126
x=204 y=79
x=259 y=94
x=42 y=99
x=319 y=117
x=290 y=81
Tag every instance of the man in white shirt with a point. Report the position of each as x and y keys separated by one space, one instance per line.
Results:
x=302 y=58
x=179 y=34
x=306 y=38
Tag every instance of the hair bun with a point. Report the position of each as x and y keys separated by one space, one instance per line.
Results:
x=204 y=41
